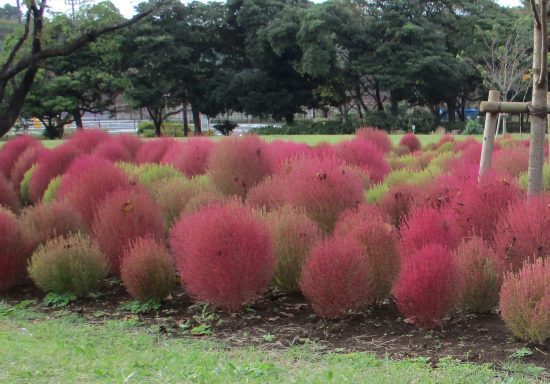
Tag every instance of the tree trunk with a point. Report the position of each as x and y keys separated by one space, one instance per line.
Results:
x=196 y=120
x=78 y=119
x=394 y=109
x=538 y=101
x=379 y=104
x=185 y=122
x=156 y=115
x=451 y=110
x=289 y=118
x=488 y=138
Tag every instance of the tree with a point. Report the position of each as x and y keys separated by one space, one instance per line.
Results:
x=538 y=106
x=22 y=61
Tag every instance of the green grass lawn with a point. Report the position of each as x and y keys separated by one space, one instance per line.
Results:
x=35 y=348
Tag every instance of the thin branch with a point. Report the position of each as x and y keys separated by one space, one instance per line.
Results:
x=19 y=43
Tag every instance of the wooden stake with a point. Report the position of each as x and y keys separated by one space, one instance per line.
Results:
x=488 y=136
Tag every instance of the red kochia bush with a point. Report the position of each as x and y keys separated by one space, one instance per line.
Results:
x=43 y=222
x=522 y=233
x=410 y=140
x=147 y=270
x=153 y=150
x=123 y=216
x=478 y=207
x=24 y=162
x=268 y=194
x=379 y=245
x=223 y=254
x=480 y=274
x=130 y=142
x=425 y=291
x=13 y=258
x=113 y=151
x=428 y=225
x=525 y=302
x=8 y=196
x=190 y=156
x=511 y=163
x=86 y=140
x=376 y=136
x=10 y=152
x=52 y=164
x=365 y=155
x=281 y=152
x=323 y=187
x=236 y=164
x=335 y=279
x=87 y=181
x=398 y=202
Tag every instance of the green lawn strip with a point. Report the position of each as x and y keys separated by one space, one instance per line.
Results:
x=65 y=349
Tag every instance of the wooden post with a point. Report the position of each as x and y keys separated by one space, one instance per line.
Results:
x=488 y=136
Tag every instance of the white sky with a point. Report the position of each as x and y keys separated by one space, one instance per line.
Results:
x=127 y=6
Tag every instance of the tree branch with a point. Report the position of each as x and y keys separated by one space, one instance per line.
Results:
x=19 y=43
x=536 y=13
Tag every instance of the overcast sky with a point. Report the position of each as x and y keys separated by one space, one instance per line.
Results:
x=127 y=6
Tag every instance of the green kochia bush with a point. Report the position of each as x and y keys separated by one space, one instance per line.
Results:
x=24 y=187
x=72 y=265
x=51 y=192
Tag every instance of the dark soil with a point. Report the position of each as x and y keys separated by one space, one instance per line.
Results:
x=278 y=321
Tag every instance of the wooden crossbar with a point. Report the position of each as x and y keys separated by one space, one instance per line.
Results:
x=505 y=107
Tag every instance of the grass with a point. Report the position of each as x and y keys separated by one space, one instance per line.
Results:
x=63 y=348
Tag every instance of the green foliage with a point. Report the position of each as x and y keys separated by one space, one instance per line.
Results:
x=473 y=127
x=312 y=127
x=139 y=307
x=524 y=179
x=59 y=300
x=51 y=191
x=148 y=174
x=24 y=187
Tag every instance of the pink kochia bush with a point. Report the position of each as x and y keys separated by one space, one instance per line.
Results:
x=190 y=156
x=525 y=302
x=86 y=140
x=52 y=164
x=323 y=187
x=522 y=233
x=130 y=142
x=410 y=140
x=335 y=279
x=24 y=162
x=8 y=196
x=88 y=180
x=122 y=217
x=480 y=274
x=147 y=270
x=425 y=291
x=511 y=163
x=281 y=152
x=236 y=164
x=113 y=151
x=10 y=152
x=398 y=202
x=153 y=151
x=379 y=244
x=365 y=155
x=376 y=136
x=223 y=254
x=428 y=225
x=13 y=258
x=478 y=206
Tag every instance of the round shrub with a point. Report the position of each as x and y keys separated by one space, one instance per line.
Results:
x=8 y=196
x=152 y=151
x=525 y=302
x=511 y=163
x=87 y=181
x=236 y=164
x=24 y=162
x=86 y=140
x=130 y=142
x=410 y=140
x=204 y=199
x=69 y=265
x=365 y=155
x=335 y=279
x=147 y=270
x=522 y=234
x=113 y=151
x=268 y=194
x=281 y=151
x=379 y=244
x=10 y=152
x=148 y=174
x=13 y=256
x=24 y=187
x=425 y=291
x=123 y=216
x=43 y=222
x=323 y=187
x=53 y=163
x=223 y=254
x=399 y=201
x=294 y=235
x=376 y=136
x=428 y=225
x=480 y=275
x=190 y=156
x=50 y=193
